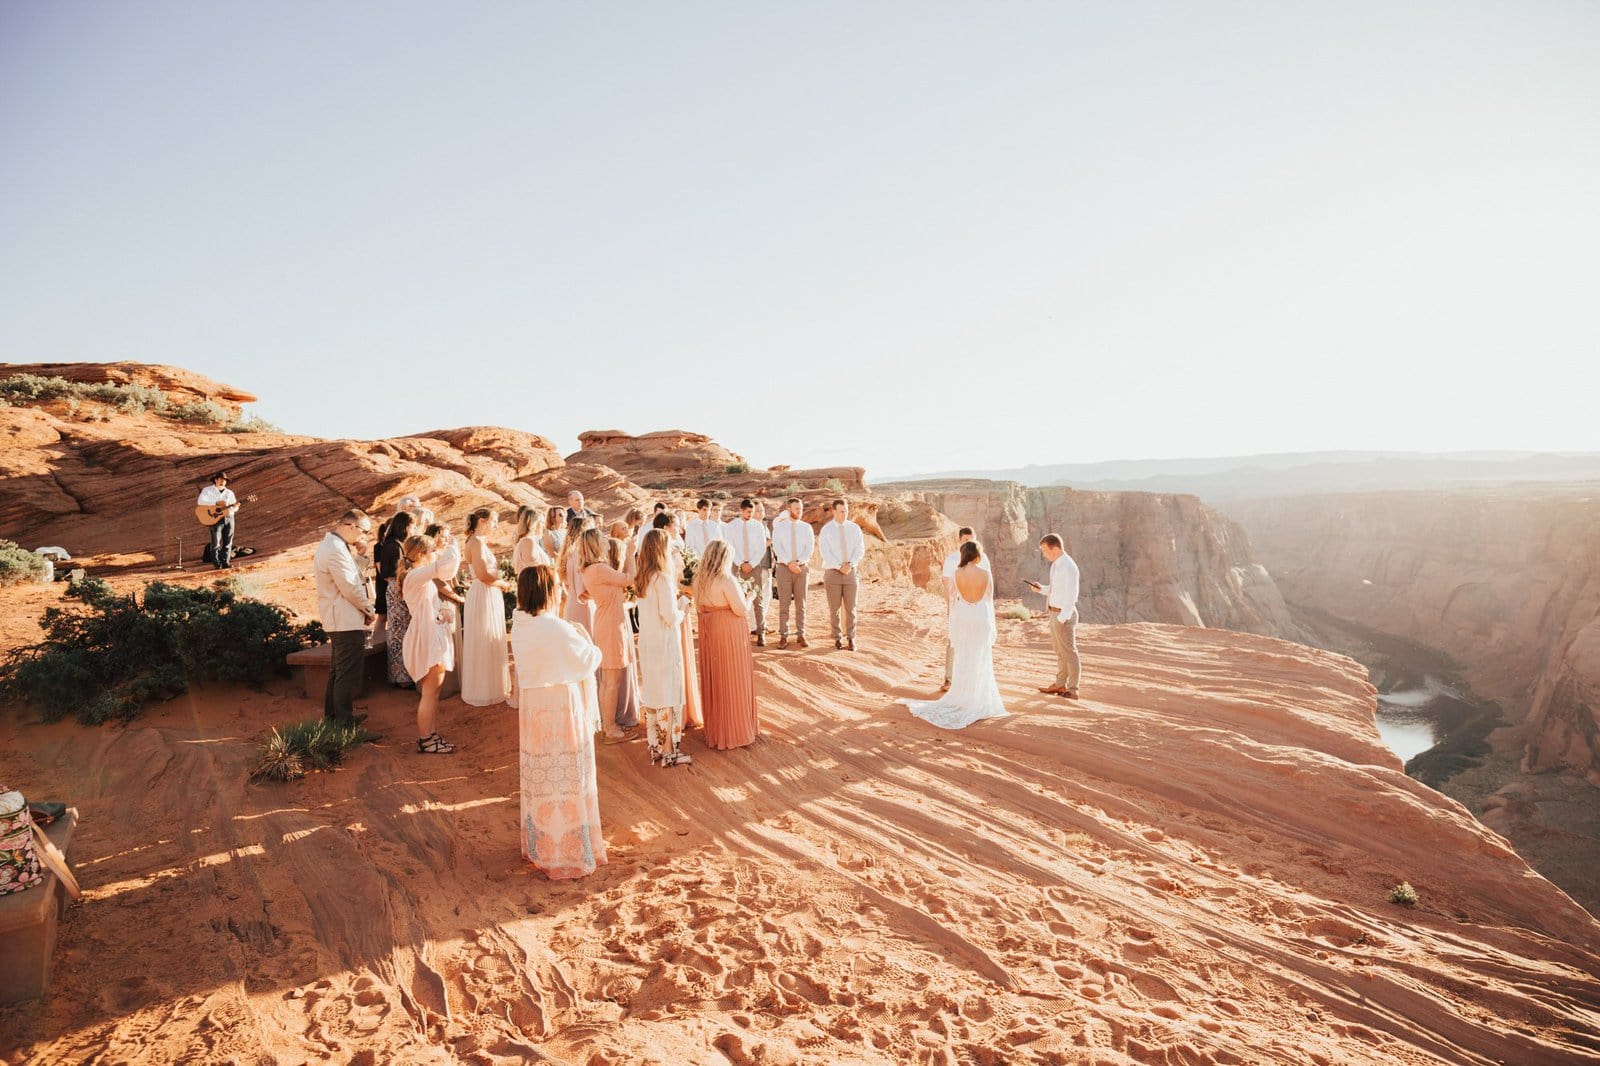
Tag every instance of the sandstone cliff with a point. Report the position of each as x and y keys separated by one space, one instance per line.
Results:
x=1143 y=557
x=1505 y=582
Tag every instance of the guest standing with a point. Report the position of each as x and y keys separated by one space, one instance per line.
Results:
x=397 y=616
x=527 y=551
x=346 y=612
x=556 y=719
x=792 y=544
x=576 y=606
x=747 y=536
x=607 y=586
x=1061 y=599
x=727 y=672
x=702 y=529
x=555 y=531
x=484 y=677
x=693 y=716
x=661 y=688
x=430 y=650
x=843 y=547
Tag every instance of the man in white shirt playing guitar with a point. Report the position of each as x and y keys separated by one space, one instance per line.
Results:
x=215 y=508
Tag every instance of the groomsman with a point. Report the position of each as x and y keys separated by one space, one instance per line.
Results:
x=792 y=543
x=843 y=547
x=1061 y=598
x=704 y=528
x=952 y=563
x=747 y=536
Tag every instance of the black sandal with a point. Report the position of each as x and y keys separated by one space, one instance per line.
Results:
x=434 y=744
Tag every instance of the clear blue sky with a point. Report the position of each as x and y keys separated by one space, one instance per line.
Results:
x=909 y=236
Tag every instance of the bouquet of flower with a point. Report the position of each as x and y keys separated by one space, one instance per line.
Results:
x=747 y=588
x=691 y=563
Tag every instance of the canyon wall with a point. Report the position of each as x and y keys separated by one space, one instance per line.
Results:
x=1505 y=582
x=1144 y=557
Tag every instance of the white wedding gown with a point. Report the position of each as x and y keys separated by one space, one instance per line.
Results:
x=973 y=694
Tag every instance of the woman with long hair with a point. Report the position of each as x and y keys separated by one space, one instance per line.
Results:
x=390 y=549
x=607 y=587
x=727 y=671
x=576 y=607
x=555 y=532
x=661 y=689
x=556 y=720
x=667 y=522
x=430 y=647
x=484 y=677
x=528 y=551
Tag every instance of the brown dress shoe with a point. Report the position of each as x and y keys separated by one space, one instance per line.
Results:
x=801 y=642
x=838 y=645
x=761 y=640
x=1070 y=693
x=850 y=645
x=1054 y=690
x=783 y=642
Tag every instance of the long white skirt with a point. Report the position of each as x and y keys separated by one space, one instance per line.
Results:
x=973 y=694
x=485 y=680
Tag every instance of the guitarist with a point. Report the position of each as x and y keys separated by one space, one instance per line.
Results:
x=222 y=503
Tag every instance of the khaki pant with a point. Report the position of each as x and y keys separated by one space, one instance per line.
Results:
x=791 y=589
x=1064 y=636
x=762 y=576
x=841 y=589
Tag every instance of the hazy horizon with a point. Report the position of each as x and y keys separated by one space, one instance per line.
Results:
x=913 y=237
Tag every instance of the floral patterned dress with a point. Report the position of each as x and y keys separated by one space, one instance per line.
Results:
x=557 y=716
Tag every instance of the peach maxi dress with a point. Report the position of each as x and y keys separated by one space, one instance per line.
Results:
x=727 y=673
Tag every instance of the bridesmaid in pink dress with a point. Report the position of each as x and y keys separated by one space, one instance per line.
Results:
x=576 y=606
x=727 y=671
x=607 y=588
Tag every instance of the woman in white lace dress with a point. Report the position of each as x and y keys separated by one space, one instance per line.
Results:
x=485 y=678
x=973 y=694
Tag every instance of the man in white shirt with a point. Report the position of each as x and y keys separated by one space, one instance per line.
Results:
x=704 y=528
x=345 y=610
x=843 y=547
x=747 y=537
x=646 y=526
x=1061 y=598
x=792 y=544
x=952 y=563
x=221 y=502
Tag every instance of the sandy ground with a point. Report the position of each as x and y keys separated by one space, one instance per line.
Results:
x=1192 y=865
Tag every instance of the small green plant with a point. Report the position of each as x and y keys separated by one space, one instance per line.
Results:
x=1017 y=613
x=1403 y=894
x=19 y=566
x=658 y=486
x=200 y=412
x=736 y=468
x=795 y=488
x=706 y=479
x=833 y=484
x=117 y=653
x=288 y=754
x=22 y=389
x=253 y=424
x=721 y=494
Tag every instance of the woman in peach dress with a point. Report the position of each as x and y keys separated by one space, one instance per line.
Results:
x=727 y=672
x=527 y=550
x=607 y=587
x=556 y=720
x=576 y=607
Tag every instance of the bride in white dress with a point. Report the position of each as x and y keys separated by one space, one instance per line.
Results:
x=973 y=694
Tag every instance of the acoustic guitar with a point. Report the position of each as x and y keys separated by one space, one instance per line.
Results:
x=210 y=516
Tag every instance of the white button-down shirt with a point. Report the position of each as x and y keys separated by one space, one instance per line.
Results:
x=841 y=542
x=210 y=496
x=792 y=541
x=698 y=532
x=1061 y=595
x=748 y=538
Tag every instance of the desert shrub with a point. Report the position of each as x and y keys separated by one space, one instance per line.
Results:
x=287 y=754
x=833 y=484
x=253 y=424
x=1403 y=894
x=20 y=389
x=1017 y=612
x=736 y=468
x=19 y=566
x=795 y=488
x=116 y=654
x=200 y=412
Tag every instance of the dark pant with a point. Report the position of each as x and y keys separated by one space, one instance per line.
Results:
x=344 y=675
x=221 y=547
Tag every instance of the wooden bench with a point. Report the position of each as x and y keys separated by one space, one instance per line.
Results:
x=28 y=921
x=315 y=662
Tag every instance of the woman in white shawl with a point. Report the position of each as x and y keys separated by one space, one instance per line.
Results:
x=558 y=715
